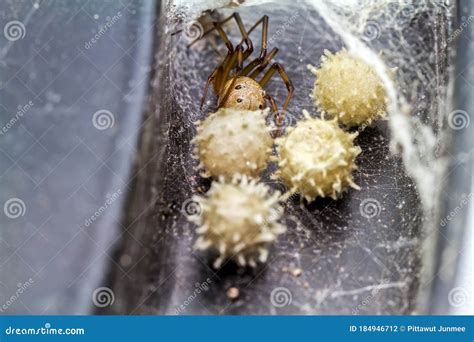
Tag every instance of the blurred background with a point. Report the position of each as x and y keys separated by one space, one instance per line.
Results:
x=96 y=104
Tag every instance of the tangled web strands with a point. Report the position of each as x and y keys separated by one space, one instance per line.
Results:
x=417 y=95
x=411 y=36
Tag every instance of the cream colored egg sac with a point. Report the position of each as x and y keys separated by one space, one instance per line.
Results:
x=233 y=141
x=316 y=158
x=348 y=88
x=239 y=219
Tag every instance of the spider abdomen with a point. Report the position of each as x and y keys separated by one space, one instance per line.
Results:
x=246 y=94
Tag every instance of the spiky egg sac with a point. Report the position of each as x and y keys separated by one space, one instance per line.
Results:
x=348 y=88
x=233 y=141
x=239 y=219
x=316 y=158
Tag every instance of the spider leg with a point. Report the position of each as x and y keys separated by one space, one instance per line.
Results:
x=227 y=67
x=221 y=72
x=284 y=76
x=277 y=117
x=264 y=21
x=237 y=62
x=273 y=105
x=264 y=63
x=211 y=78
x=216 y=75
x=258 y=62
x=244 y=34
x=227 y=93
x=263 y=48
x=217 y=25
x=209 y=30
x=230 y=54
x=241 y=54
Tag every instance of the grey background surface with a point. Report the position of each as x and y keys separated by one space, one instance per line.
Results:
x=53 y=158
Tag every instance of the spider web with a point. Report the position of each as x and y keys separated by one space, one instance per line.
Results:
x=385 y=34
x=333 y=233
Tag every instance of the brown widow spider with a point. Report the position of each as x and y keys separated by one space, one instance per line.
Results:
x=235 y=84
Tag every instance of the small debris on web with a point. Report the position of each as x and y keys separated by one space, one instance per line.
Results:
x=233 y=293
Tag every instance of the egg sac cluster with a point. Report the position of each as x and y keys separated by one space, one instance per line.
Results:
x=316 y=158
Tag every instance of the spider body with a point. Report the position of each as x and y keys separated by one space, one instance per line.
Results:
x=235 y=139
x=236 y=84
x=246 y=93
